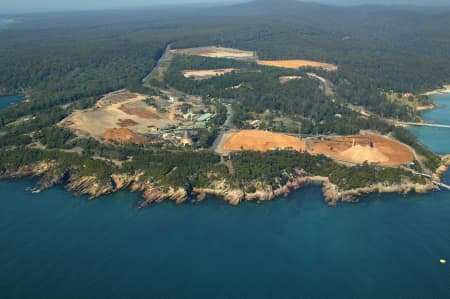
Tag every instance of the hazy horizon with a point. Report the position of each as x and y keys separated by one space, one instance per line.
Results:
x=30 y=6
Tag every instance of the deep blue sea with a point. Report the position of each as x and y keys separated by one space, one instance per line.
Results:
x=53 y=245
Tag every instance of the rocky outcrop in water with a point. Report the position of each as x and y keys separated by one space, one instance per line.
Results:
x=90 y=186
x=35 y=169
x=152 y=194
x=333 y=194
x=262 y=193
x=445 y=164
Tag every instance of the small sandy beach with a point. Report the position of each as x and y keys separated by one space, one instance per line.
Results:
x=445 y=89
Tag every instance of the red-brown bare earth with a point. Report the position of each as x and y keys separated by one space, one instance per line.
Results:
x=138 y=110
x=122 y=136
x=127 y=123
x=255 y=140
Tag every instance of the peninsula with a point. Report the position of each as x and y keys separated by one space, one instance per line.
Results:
x=242 y=118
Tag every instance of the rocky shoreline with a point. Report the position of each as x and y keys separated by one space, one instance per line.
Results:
x=94 y=188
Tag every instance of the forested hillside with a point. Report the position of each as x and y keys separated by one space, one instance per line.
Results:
x=401 y=49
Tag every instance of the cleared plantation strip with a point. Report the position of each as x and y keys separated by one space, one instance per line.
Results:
x=295 y=64
x=285 y=79
x=217 y=52
x=207 y=74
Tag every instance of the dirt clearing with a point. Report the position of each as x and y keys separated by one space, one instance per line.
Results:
x=122 y=136
x=255 y=140
x=127 y=123
x=355 y=149
x=118 y=109
x=140 y=109
x=295 y=64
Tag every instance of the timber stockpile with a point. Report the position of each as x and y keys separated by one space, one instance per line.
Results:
x=355 y=149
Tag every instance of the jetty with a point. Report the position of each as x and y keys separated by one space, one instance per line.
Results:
x=422 y=124
x=437 y=183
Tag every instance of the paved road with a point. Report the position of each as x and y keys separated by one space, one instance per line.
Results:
x=227 y=124
x=327 y=86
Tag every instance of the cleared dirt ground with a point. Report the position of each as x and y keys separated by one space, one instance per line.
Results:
x=116 y=110
x=295 y=64
x=256 y=140
x=217 y=52
x=122 y=136
x=352 y=149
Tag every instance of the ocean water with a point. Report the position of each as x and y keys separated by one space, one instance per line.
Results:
x=437 y=139
x=9 y=100
x=53 y=245
x=3 y=24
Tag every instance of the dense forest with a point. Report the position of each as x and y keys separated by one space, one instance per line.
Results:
x=260 y=90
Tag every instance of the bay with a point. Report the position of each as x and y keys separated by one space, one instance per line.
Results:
x=7 y=101
x=53 y=245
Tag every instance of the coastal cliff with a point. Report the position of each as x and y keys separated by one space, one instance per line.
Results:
x=94 y=187
x=333 y=194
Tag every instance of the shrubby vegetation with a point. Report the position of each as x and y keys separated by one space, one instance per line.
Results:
x=275 y=167
x=432 y=161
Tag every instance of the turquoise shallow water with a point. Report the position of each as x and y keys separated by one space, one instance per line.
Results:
x=437 y=139
x=8 y=100
x=53 y=245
